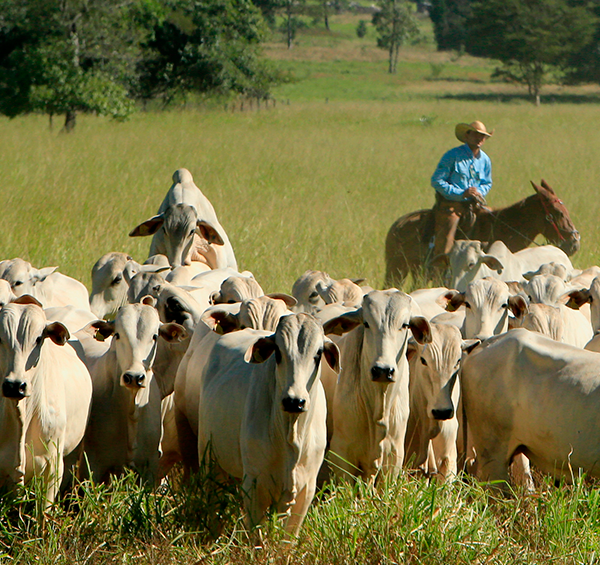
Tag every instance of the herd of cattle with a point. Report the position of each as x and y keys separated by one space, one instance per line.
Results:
x=184 y=358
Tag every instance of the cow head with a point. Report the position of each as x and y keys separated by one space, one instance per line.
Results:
x=23 y=333
x=297 y=346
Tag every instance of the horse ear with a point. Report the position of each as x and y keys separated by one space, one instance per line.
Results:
x=547 y=187
x=536 y=187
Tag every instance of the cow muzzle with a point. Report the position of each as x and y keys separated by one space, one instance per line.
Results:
x=383 y=374
x=293 y=405
x=444 y=414
x=14 y=389
x=134 y=380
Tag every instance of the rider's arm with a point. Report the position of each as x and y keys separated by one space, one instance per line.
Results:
x=444 y=181
x=485 y=175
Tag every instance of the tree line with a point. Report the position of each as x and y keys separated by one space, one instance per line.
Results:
x=63 y=57
x=533 y=41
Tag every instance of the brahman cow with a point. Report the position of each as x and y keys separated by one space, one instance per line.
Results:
x=370 y=406
x=48 y=287
x=526 y=394
x=46 y=394
x=124 y=428
x=262 y=414
x=185 y=214
x=468 y=262
x=434 y=393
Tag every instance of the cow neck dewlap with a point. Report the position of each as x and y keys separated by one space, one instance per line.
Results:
x=14 y=424
x=137 y=401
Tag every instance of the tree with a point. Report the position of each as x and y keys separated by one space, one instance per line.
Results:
x=207 y=46
x=449 y=19
x=529 y=37
x=395 y=23
x=584 y=65
x=66 y=56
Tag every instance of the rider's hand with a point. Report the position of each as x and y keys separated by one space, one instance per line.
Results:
x=475 y=195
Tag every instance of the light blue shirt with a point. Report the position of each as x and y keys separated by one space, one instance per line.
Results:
x=458 y=170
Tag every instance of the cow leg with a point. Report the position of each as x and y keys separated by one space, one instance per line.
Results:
x=299 y=509
x=257 y=501
x=188 y=445
x=444 y=447
x=493 y=466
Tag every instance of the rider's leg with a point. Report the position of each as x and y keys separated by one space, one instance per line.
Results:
x=446 y=224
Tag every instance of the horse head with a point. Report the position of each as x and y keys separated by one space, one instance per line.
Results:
x=558 y=227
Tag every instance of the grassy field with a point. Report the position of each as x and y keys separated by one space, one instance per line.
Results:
x=314 y=181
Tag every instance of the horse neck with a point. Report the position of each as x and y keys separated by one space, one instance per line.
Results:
x=516 y=225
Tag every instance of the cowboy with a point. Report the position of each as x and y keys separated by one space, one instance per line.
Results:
x=461 y=180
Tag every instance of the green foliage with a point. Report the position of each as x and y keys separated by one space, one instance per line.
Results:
x=449 y=19
x=583 y=66
x=529 y=37
x=210 y=46
x=395 y=23
x=361 y=29
x=61 y=57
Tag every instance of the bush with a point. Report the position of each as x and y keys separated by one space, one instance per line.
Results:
x=361 y=29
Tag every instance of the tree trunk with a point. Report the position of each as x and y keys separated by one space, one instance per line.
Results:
x=290 y=31
x=70 y=118
x=326 y=15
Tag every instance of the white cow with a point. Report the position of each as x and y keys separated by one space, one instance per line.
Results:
x=305 y=291
x=260 y=313
x=184 y=214
x=434 y=395
x=343 y=291
x=370 y=407
x=48 y=287
x=262 y=410
x=526 y=394
x=487 y=302
x=431 y=301
x=468 y=261
x=46 y=394
x=125 y=420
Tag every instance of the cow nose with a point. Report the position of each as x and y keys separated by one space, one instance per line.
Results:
x=382 y=374
x=14 y=389
x=293 y=405
x=136 y=379
x=444 y=414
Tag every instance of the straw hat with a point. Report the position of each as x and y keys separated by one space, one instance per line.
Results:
x=462 y=129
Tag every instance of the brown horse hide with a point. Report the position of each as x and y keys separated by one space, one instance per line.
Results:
x=409 y=246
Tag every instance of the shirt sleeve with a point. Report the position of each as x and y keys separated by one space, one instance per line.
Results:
x=441 y=178
x=486 y=178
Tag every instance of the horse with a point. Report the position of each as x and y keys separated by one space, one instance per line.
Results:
x=408 y=247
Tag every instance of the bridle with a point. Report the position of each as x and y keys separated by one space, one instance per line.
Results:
x=550 y=219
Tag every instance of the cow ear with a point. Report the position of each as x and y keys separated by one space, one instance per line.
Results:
x=290 y=301
x=104 y=329
x=221 y=321
x=344 y=323
x=515 y=287
x=577 y=298
x=493 y=263
x=454 y=300
x=358 y=281
x=332 y=354
x=420 y=328
x=149 y=227
x=149 y=300
x=530 y=274
x=469 y=344
x=411 y=349
x=518 y=305
x=39 y=275
x=260 y=350
x=57 y=332
x=209 y=233
x=27 y=299
x=172 y=332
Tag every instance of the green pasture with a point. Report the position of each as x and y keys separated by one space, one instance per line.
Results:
x=313 y=181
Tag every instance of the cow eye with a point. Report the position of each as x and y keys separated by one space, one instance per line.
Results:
x=505 y=305
x=405 y=326
x=312 y=297
x=18 y=283
x=117 y=279
x=470 y=265
x=366 y=324
x=155 y=337
x=193 y=232
x=318 y=356
x=467 y=305
x=423 y=362
x=591 y=299
x=277 y=356
x=39 y=340
x=117 y=336
x=231 y=302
